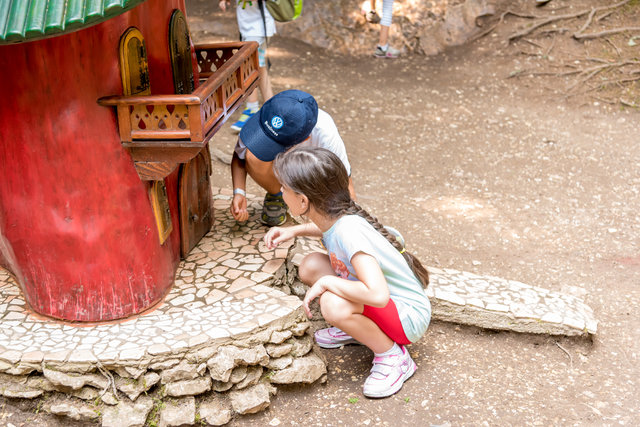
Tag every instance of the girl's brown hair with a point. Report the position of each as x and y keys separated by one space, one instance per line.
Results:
x=319 y=175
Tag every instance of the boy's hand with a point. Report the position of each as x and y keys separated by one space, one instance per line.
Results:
x=277 y=235
x=223 y=5
x=239 y=208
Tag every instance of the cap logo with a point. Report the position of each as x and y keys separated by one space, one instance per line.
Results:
x=277 y=122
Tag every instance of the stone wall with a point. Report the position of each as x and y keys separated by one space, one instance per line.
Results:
x=210 y=382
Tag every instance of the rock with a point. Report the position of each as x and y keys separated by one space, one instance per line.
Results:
x=301 y=346
x=280 y=363
x=109 y=398
x=134 y=387
x=424 y=27
x=238 y=374
x=75 y=410
x=127 y=414
x=188 y=387
x=182 y=371
x=274 y=350
x=279 y=336
x=164 y=364
x=40 y=383
x=228 y=357
x=86 y=393
x=177 y=413
x=300 y=328
x=19 y=370
x=251 y=400
x=17 y=386
x=214 y=411
x=253 y=376
x=129 y=372
x=17 y=392
x=220 y=386
x=75 y=382
x=299 y=289
x=224 y=158
x=304 y=370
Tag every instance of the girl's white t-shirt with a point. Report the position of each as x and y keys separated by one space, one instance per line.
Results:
x=352 y=234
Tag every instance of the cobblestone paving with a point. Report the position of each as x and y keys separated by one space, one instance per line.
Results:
x=221 y=290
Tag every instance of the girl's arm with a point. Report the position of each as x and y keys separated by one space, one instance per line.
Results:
x=371 y=289
x=277 y=235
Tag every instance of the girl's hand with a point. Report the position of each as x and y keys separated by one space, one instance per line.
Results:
x=277 y=235
x=314 y=292
x=223 y=5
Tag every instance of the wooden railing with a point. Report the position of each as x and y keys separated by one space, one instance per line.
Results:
x=161 y=131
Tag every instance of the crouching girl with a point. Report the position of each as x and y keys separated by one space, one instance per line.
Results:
x=371 y=289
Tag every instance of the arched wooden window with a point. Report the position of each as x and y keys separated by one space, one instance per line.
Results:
x=134 y=70
x=180 y=50
x=160 y=205
x=134 y=67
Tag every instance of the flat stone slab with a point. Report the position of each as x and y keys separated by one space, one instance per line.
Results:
x=221 y=291
x=494 y=303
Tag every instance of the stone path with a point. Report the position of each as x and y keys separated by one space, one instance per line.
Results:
x=229 y=326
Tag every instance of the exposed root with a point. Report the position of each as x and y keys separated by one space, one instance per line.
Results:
x=550 y=19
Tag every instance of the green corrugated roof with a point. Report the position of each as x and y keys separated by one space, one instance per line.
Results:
x=25 y=20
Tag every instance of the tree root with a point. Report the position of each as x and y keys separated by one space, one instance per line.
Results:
x=551 y=19
x=604 y=33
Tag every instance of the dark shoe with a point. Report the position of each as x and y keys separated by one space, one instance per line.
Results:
x=274 y=210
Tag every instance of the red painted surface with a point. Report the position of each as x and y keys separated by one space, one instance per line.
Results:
x=76 y=225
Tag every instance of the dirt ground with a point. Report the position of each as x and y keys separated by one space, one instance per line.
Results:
x=486 y=169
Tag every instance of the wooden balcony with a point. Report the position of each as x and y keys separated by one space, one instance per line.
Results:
x=162 y=131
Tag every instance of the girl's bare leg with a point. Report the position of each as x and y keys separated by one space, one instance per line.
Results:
x=340 y=312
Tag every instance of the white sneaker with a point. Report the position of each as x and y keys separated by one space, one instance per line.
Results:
x=389 y=53
x=333 y=338
x=388 y=374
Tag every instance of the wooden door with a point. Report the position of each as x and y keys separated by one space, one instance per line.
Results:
x=196 y=210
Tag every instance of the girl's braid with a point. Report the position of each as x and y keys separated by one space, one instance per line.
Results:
x=418 y=269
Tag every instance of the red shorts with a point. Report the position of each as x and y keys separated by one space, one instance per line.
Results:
x=388 y=319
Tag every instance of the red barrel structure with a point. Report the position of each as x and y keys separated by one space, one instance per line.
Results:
x=77 y=223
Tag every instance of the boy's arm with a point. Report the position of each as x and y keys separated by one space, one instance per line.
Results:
x=239 y=182
x=238 y=172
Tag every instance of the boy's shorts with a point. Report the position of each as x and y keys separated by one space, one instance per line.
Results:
x=387 y=319
x=262 y=48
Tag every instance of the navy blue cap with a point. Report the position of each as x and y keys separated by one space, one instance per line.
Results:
x=284 y=120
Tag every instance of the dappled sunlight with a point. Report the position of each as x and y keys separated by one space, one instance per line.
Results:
x=277 y=53
x=458 y=207
x=288 y=82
